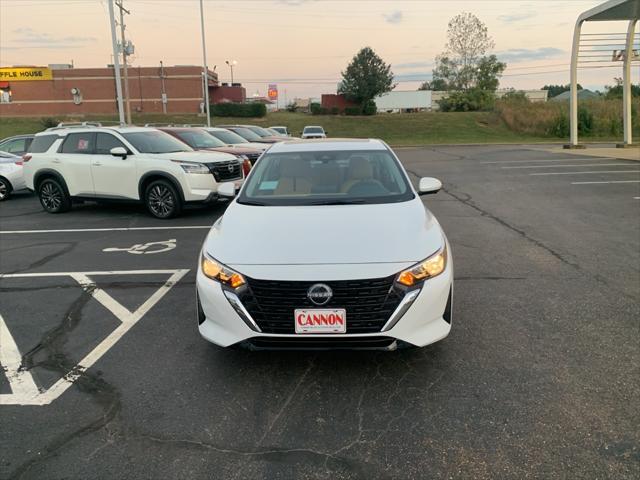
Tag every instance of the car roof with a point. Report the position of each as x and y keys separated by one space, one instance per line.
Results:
x=330 y=144
x=62 y=131
x=13 y=137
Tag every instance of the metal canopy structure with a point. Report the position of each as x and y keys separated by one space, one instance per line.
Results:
x=586 y=50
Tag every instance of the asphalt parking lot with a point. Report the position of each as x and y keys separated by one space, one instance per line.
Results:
x=105 y=375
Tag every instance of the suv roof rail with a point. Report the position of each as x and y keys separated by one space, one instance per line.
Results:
x=75 y=125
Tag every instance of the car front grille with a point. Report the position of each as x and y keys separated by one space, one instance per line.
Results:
x=368 y=303
x=224 y=171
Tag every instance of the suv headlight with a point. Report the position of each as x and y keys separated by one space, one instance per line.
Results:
x=221 y=273
x=429 y=268
x=192 y=167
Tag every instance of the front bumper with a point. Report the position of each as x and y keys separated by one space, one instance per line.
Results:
x=427 y=320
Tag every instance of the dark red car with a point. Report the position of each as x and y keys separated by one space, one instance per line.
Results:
x=199 y=139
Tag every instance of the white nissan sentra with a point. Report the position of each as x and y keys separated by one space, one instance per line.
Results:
x=327 y=245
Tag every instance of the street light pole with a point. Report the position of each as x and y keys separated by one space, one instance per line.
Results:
x=204 y=66
x=116 y=62
x=124 y=60
x=231 y=64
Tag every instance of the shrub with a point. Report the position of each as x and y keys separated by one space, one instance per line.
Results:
x=315 y=108
x=468 y=101
x=335 y=111
x=596 y=118
x=291 y=107
x=238 y=109
x=515 y=96
x=356 y=110
x=49 y=122
x=369 y=108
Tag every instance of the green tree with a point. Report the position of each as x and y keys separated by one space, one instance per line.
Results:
x=616 y=92
x=463 y=65
x=366 y=77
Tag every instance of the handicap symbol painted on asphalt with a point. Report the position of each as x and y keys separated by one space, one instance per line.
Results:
x=146 y=248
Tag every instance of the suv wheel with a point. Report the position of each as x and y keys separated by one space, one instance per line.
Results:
x=53 y=197
x=5 y=189
x=162 y=200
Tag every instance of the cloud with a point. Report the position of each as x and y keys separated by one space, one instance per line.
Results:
x=402 y=66
x=26 y=37
x=516 y=17
x=525 y=54
x=393 y=17
x=419 y=76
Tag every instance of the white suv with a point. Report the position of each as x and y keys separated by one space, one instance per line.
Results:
x=124 y=163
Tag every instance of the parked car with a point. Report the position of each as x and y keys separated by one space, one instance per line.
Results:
x=18 y=144
x=11 y=176
x=313 y=132
x=124 y=163
x=199 y=139
x=251 y=134
x=347 y=255
x=281 y=130
x=233 y=139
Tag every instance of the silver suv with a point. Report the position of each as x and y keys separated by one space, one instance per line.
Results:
x=124 y=163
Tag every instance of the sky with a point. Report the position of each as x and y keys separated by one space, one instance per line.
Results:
x=303 y=45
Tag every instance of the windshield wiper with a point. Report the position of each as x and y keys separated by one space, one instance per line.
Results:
x=339 y=202
x=252 y=202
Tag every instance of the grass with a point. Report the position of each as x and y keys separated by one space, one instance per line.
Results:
x=396 y=129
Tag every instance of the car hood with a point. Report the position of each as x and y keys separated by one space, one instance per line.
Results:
x=202 y=156
x=325 y=234
x=258 y=146
x=236 y=150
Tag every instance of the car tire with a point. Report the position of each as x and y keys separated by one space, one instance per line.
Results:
x=162 y=200
x=53 y=196
x=5 y=189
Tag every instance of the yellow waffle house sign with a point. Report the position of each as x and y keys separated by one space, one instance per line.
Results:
x=21 y=74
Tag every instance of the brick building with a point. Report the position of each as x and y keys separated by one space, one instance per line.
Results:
x=81 y=91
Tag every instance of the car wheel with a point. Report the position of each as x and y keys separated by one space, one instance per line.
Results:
x=162 y=200
x=5 y=189
x=53 y=197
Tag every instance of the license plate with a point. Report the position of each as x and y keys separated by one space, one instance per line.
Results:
x=321 y=320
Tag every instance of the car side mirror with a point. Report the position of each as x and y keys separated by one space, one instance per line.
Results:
x=429 y=186
x=119 y=152
x=227 y=189
x=326 y=132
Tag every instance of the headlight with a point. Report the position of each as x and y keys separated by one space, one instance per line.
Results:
x=221 y=273
x=192 y=167
x=429 y=268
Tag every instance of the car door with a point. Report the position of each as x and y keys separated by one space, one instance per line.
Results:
x=113 y=176
x=73 y=161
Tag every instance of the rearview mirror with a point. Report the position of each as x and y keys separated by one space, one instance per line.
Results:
x=119 y=152
x=429 y=185
x=227 y=189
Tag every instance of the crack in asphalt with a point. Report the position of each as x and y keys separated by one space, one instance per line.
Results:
x=69 y=246
x=104 y=394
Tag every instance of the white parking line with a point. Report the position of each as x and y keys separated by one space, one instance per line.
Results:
x=567 y=166
x=584 y=173
x=597 y=159
x=611 y=181
x=113 y=229
x=23 y=389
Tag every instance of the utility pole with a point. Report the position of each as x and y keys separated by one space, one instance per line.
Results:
x=205 y=72
x=124 y=58
x=116 y=62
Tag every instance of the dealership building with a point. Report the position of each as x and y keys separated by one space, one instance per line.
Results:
x=65 y=90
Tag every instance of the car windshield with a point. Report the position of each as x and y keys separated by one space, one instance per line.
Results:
x=227 y=137
x=247 y=134
x=261 y=131
x=199 y=139
x=313 y=130
x=155 y=142
x=326 y=178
